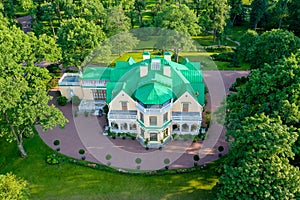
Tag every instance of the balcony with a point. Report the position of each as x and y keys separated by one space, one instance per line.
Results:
x=122 y=114
x=186 y=116
x=154 y=109
x=69 y=79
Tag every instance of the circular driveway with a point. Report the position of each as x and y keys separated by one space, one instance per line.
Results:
x=85 y=133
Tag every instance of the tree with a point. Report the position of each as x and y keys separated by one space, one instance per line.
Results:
x=272 y=46
x=258 y=9
x=27 y=48
x=24 y=101
x=257 y=166
x=122 y=42
x=45 y=48
x=175 y=41
x=271 y=89
x=93 y=11
x=139 y=6
x=118 y=23
x=12 y=187
x=237 y=11
x=213 y=16
x=247 y=45
x=179 y=18
x=77 y=38
x=293 y=17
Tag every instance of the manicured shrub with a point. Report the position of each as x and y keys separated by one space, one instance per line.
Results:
x=167 y=161
x=62 y=100
x=196 y=158
x=75 y=100
x=81 y=151
x=196 y=138
x=138 y=160
x=56 y=142
x=86 y=113
x=108 y=157
x=53 y=159
x=220 y=148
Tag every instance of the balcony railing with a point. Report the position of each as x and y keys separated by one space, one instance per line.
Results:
x=154 y=110
x=186 y=116
x=122 y=114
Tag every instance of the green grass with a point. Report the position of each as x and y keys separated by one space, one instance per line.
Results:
x=69 y=181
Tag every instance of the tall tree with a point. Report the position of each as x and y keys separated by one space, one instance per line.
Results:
x=246 y=49
x=237 y=11
x=293 y=17
x=272 y=46
x=119 y=23
x=257 y=166
x=175 y=41
x=179 y=18
x=213 y=16
x=271 y=89
x=139 y=6
x=93 y=11
x=77 y=38
x=24 y=101
x=12 y=187
x=122 y=42
x=258 y=9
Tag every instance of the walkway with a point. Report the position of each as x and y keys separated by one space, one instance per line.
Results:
x=85 y=133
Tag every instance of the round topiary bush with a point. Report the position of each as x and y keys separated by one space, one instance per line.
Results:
x=56 y=142
x=81 y=151
x=62 y=100
x=196 y=158
x=220 y=148
x=167 y=161
x=138 y=160
x=108 y=157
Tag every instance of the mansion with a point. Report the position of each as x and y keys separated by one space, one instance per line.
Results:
x=153 y=98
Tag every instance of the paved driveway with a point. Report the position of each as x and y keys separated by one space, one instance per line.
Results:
x=85 y=133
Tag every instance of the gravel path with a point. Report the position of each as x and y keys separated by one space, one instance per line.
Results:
x=85 y=133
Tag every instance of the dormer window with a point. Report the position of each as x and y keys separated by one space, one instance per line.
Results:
x=155 y=65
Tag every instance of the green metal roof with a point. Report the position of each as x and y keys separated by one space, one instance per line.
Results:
x=153 y=93
x=155 y=87
x=96 y=73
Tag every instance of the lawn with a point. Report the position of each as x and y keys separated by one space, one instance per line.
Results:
x=69 y=181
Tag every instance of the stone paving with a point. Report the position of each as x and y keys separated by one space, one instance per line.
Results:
x=86 y=133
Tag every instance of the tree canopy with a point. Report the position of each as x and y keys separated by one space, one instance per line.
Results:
x=179 y=18
x=12 y=187
x=77 y=38
x=257 y=165
x=272 y=46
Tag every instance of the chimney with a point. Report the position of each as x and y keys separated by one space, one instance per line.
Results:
x=146 y=55
x=167 y=56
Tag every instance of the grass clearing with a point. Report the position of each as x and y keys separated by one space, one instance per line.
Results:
x=69 y=181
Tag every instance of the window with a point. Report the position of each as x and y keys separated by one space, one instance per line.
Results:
x=142 y=133
x=141 y=117
x=185 y=107
x=124 y=105
x=153 y=136
x=165 y=117
x=99 y=94
x=155 y=65
x=166 y=132
x=153 y=120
